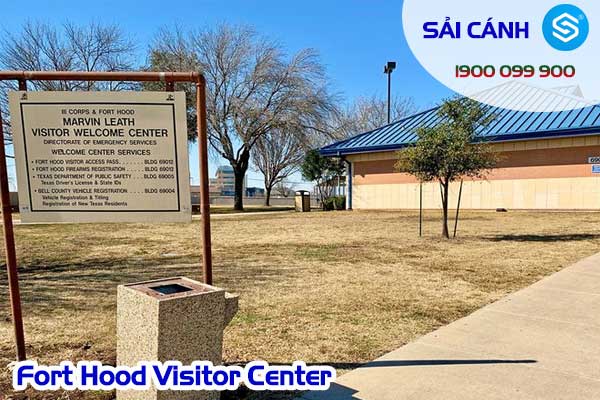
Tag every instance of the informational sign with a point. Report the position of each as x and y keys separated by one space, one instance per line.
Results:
x=595 y=169
x=101 y=156
x=594 y=160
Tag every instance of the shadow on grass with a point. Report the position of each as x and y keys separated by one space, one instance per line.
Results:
x=80 y=287
x=219 y=210
x=544 y=238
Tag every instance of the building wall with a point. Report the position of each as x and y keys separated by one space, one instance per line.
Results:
x=542 y=174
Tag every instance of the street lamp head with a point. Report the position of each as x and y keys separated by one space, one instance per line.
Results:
x=391 y=66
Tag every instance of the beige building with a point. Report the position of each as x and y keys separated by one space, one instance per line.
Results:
x=223 y=184
x=548 y=160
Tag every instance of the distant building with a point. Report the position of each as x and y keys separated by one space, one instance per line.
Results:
x=213 y=187
x=223 y=184
x=255 y=192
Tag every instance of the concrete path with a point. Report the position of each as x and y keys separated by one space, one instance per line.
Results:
x=542 y=342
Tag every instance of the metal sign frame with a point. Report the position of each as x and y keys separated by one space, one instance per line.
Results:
x=169 y=78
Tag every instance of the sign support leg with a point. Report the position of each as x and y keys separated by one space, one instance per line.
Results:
x=458 y=207
x=11 y=254
x=204 y=198
x=420 y=209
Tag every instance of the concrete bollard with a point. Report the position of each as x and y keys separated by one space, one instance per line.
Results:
x=171 y=319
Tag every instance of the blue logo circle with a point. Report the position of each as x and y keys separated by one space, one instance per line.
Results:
x=566 y=27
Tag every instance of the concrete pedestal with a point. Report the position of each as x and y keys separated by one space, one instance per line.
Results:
x=171 y=319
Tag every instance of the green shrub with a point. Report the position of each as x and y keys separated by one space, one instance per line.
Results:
x=334 y=203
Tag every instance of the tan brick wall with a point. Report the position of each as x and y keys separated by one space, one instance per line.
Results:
x=543 y=174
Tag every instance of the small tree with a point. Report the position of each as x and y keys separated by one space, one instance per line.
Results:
x=450 y=150
x=284 y=188
x=322 y=171
x=277 y=155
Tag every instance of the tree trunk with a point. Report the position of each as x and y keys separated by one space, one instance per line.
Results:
x=238 y=197
x=445 y=190
x=239 y=171
x=321 y=194
x=267 y=196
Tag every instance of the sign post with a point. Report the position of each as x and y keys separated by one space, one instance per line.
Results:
x=204 y=186
x=130 y=138
x=10 y=252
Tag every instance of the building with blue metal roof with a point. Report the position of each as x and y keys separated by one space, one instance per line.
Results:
x=548 y=160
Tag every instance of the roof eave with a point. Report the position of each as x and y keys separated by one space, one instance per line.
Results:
x=331 y=151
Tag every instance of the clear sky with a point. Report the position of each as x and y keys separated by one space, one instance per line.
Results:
x=355 y=38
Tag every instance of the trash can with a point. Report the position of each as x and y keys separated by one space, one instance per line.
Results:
x=302 y=201
x=175 y=319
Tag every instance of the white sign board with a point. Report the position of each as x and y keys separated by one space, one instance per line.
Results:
x=101 y=156
x=594 y=160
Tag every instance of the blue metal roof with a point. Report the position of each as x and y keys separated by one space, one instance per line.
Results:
x=508 y=125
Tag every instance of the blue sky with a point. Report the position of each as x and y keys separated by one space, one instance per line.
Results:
x=355 y=38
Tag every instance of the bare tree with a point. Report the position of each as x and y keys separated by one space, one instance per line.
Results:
x=252 y=89
x=277 y=155
x=174 y=52
x=284 y=188
x=70 y=47
x=368 y=113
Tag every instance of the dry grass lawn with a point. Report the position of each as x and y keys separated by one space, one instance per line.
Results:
x=334 y=288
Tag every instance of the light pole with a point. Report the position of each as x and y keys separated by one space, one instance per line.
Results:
x=388 y=69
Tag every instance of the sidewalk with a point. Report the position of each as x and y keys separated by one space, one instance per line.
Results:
x=542 y=342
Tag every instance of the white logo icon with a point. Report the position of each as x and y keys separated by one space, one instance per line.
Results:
x=565 y=27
